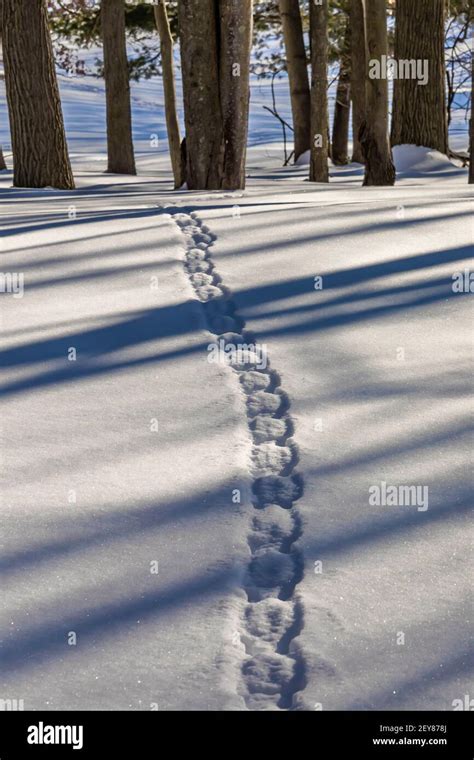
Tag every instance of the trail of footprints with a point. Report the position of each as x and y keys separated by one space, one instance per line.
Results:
x=272 y=671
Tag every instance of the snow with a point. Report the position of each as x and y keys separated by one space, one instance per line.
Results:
x=143 y=450
x=415 y=160
x=377 y=366
x=304 y=159
x=92 y=495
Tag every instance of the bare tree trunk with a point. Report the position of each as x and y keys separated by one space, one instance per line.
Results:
x=419 y=110
x=471 y=127
x=3 y=164
x=202 y=111
x=121 y=159
x=172 y=123
x=236 y=44
x=358 y=74
x=37 y=129
x=319 y=100
x=297 y=66
x=340 y=130
x=215 y=56
x=373 y=135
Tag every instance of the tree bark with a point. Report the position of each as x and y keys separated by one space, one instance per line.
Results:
x=215 y=57
x=236 y=44
x=120 y=154
x=202 y=112
x=340 y=131
x=358 y=74
x=319 y=171
x=373 y=135
x=471 y=127
x=419 y=110
x=172 y=123
x=297 y=66
x=3 y=164
x=39 y=146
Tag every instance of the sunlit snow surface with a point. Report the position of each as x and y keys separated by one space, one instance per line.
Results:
x=131 y=454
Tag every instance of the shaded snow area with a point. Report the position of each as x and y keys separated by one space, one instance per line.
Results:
x=415 y=160
x=236 y=438
x=118 y=523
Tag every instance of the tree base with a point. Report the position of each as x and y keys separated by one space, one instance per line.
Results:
x=379 y=167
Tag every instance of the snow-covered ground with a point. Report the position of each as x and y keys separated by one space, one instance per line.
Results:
x=140 y=451
x=378 y=367
x=125 y=457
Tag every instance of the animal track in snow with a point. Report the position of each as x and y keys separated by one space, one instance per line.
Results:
x=272 y=671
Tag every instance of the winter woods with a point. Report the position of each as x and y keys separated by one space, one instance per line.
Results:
x=236 y=296
x=361 y=76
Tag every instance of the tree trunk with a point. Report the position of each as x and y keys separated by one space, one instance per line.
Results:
x=3 y=164
x=39 y=146
x=373 y=135
x=471 y=129
x=236 y=45
x=358 y=74
x=172 y=123
x=319 y=100
x=297 y=66
x=120 y=155
x=340 y=131
x=215 y=57
x=419 y=110
x=202 y=111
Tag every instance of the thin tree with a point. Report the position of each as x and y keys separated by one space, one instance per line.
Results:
x=40 y=156
x=340 y=129
x=3 y=164
x=171 y=111
x=471 y=127
x=419 y=105
x=297 y=66
x=319 y=100
x=358 y=74
x=215 y=55
x=120 y=154
x=373 y=134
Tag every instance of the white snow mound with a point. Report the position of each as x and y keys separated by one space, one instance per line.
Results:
x=304 y=159
x=416 y=159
